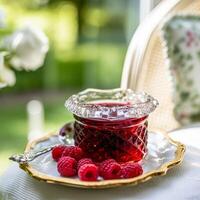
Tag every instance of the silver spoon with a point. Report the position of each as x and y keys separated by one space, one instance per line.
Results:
x=64 y=135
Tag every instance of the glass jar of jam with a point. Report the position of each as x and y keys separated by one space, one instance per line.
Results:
x=111 y=123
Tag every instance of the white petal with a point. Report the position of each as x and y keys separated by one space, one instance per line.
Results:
x=7 y=77
x=29 y=47
x=1 y=61
x=2 y=85
x=2 y=18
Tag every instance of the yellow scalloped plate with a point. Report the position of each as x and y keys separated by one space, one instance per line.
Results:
x=163 y=154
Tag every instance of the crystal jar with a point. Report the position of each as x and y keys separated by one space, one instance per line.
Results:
x=111 y=123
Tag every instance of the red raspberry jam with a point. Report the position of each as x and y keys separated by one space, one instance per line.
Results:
x=111 y=125
x=123 y=140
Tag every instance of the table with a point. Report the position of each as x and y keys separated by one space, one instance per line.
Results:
x=180 y=183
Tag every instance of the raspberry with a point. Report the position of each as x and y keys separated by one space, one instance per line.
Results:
x=130 y=170
x=84 y=161
x=103 y=164
x=112 y=170
x=74 y=152
x=88 y=172
x=57 y=152
x=67 y=166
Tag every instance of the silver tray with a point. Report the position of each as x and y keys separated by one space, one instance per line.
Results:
x=163 y=154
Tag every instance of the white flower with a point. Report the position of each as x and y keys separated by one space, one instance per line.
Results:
x=7 y=76
x=28 y=47
x=2 y=18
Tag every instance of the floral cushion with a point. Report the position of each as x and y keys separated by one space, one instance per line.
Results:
x=182 y=39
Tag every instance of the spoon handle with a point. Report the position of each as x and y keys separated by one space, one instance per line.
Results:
x=64 y=137
x=29 y=156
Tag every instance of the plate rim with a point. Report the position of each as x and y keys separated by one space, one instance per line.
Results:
x=179 y=155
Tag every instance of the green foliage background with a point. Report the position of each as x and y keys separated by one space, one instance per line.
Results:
x=88 y=42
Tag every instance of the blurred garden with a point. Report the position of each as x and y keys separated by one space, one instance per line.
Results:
x=87 y=45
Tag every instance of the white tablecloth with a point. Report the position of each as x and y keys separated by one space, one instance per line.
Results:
x=180 y=183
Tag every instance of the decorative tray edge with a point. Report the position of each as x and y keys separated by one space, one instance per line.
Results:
x=179 y=155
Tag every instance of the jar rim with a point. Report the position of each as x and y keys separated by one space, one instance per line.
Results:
x=125 y=103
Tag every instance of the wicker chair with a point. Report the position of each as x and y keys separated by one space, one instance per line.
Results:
x=145 y=67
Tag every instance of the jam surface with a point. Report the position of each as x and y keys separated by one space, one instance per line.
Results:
x=121 y=139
